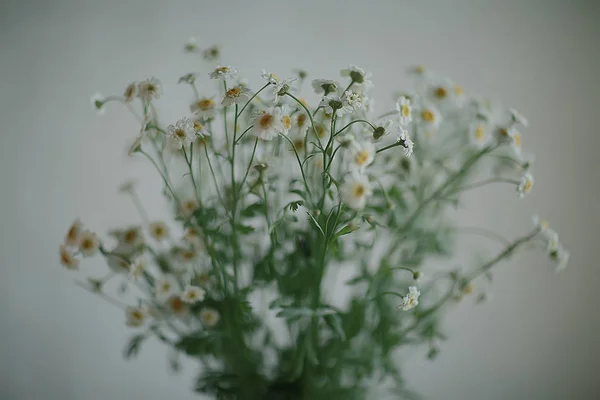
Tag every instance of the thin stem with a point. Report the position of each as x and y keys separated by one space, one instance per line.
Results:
x=312 y=121
x=249 y=164
x=212 y=171
x=352 y=123
x=140 y=209
x=480 y=184
x=189 y=163
x=162 y=176
x=243 y=133
x=234 y=202
x=398 y=143
x=299 y=164
x=485 y=233
x=252 y=98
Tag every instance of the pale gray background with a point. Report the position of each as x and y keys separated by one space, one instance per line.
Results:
x=537 y=338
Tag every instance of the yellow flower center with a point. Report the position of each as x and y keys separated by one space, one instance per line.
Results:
x=265 y=121
x=176 y=304
x=479 y=132
x=299 y=144
x=441 y=92
x=233 y=92
x=65 y=257
x=468 y=289
x=320 y=131
x=180 y=133
x=197 y=126
x=208 y=317
x=191 y=294
x=405 y=110
x=287 y=122
x=358 y=190
x=222 y=70
x=458 y=90
x=420 y=69
x=130 y=236
x=517 y=138
x=503 y=131
x=527 y=186
x=361 y=157
x=137 y=315
x=301 y=120
x=206 y=104
x=428 y=115
x=87 y=244
x=73 y=232
x=130 y=91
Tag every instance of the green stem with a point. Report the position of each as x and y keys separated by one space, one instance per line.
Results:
x=252 y=98
x=480 y=184
x=352 y=123
x=162 y=176
x=189 y=163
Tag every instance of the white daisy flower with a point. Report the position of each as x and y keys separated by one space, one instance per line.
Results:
x=164 y=287
x=223 y=72
x=479 y=134
x=354 y=99
x=269 y=76
x=267 y=124
x=98 y=101
x=407 y=143
x=72 y=236
x=211 y=54
x=135 y=316
x=182 y=134
x=358 y=75
x=137 y=267
x=130 y=92
x=525 y=184
x=237 y=95
x=191 y=46
x=515 y=143
x=429 y=118
x=300 y=122
x=403 y=105
x=355 y=190
x=325 y=86
x=193 y=294
x=411 y=300
x=561 y=257
x=333 y=103
x=209 y=317
x=129 y=238
x=67 y=259
x=188 y=207
x=286 y=119
x=518 y=118
x=158 y=230
x=88 y=244
x=177 y=306
x=149 y=89
x=281 y=88
x=382 y=129
x=362 y=155
x=204 y=108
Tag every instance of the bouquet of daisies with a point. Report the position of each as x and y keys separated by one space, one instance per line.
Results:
x=292 y=268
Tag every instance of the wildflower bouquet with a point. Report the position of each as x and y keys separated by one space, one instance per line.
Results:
x=293 y=266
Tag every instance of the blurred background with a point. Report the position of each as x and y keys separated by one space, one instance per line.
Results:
x=537 y=338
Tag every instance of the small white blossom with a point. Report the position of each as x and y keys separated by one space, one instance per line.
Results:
x=267 y=124
x=236 y=95
x=430 y=119
x=269 y=76
x=355 y=190
x=158 y=230
x=407 y=143
x=204 y=108
x=404 y=109
x=362 y=155
x=130 y=92
x=286 y=119
x=479 y=135
x=182 y=134
x=353 y=99
x=137 y=267
x=129 y=239
x=164 y=287
x=518 y=118
x=67 y=259
x=223 y=72
x=333 y=103
x=88 y=244
x=300 y=122
x=358 y=75
x=209 y=317
x=135 y=316
x=561 y=257
x=325 y=86
x=191 y=45
x=188 y=207
x=149 y=89
x=281 y=88
x=411 y=300
x=72 y=236
x=193 y=294
x=525 y=184
x=98 y=101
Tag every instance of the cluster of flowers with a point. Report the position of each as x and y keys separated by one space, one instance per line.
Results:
x=235 y=192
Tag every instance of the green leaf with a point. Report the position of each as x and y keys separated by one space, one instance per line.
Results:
x=134 y=345
x=253 y=210
x=244 y=229
x=335 y=323
x=316 y=224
